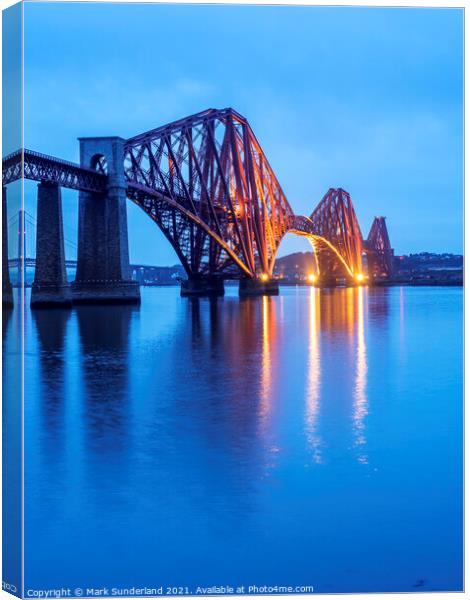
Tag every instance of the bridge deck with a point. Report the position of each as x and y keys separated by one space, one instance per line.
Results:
x=28 y=164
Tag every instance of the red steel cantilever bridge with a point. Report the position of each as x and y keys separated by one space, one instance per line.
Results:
x=208 y=185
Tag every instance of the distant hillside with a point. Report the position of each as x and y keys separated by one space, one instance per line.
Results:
x=428 y=268
x=296 y=267
x=429 y=260
x=299 y=263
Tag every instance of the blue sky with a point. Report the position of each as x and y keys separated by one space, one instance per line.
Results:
x=367 y=99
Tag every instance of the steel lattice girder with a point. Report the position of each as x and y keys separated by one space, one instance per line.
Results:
x=335 y=234
x=335 y=220
x=379 y=249
x=40 y=167
x=329 y=261
x=181 y=228
x=211 y=167
x=207 y=184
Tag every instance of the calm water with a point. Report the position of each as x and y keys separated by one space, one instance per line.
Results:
x=314 y=438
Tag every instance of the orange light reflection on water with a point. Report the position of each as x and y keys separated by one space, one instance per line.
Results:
x=329 y=315
x=266 y=366
x=361 y=406
x=313 y=376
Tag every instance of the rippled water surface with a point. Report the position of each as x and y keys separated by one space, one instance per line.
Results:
x=313 y=438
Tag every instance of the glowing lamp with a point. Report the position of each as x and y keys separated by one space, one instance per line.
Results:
x=360 y=277
x=264 y=277
x=312 y=278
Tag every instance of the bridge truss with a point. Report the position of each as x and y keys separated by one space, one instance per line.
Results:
x=230 y=209
x=28 y=164
x=207 y=184
x=379 y=250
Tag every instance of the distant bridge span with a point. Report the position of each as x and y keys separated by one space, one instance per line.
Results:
x=207 y=184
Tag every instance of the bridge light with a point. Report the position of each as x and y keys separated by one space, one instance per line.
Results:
x=360 y=277
x=312 y=278
x=264 y=277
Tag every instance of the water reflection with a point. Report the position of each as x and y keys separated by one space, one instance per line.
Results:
x=378 y=305
x=104 y=341
x=51 y=331
x=268 y=320
x=12 y=444
x=402 y=320
x=336 y=325
x=230 y=340
x=6 y=317
x=338 y=308
x=360 y=395
x=194 y=305
x=224 y=431
x=222 y=400
x=314 y=375
x=240 y=339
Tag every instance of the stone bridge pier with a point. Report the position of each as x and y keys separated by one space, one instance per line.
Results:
x=50 y=285
x=103 y=271
x=202 y=286
x=257 y=287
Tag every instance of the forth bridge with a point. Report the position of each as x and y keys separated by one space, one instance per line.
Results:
x=207 y=184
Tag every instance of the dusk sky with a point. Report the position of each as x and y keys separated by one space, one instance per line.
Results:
x=367 y=99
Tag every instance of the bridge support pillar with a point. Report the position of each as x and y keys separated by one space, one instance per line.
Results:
x=258 y=287
x=7 y=292
x=103 y=271
x=50 y=286
x=324 y=281
x=204 y=286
